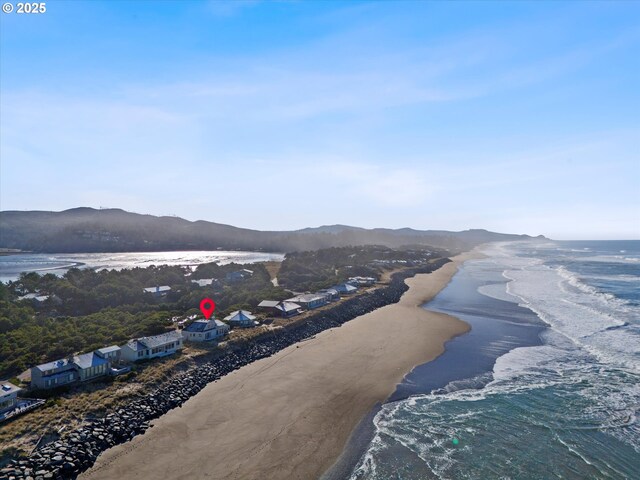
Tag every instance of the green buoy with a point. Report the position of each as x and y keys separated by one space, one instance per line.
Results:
x=455 y=441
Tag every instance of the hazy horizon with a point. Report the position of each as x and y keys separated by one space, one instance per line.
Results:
x=333 y=225
x=511 y=117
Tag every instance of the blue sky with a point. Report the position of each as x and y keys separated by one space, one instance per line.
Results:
x=515 y=117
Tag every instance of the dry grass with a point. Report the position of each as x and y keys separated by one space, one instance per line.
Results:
x=69 y=409
x=273 y=268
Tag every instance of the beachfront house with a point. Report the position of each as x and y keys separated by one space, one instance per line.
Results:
x=239 y=275
x=241 y=318
x=205 y=330
x=152 y=347
x=54 y=374
x=8 y=396
x=309 y=301
x=76 y=368
x=282 y=309
x=345 y=288
x=158 y=291
x=90 y=365
x=331 y=294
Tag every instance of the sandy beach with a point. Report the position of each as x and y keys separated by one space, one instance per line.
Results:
x=289 y=416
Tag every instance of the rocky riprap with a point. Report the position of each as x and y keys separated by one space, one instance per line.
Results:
x=77 y=451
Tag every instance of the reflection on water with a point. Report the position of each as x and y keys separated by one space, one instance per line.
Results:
x=12 y=265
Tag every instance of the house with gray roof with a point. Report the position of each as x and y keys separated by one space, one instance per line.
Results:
x=241 y=318
x=282 y=309
x=76 y=368
x=309 y=300
x=152 y=347
x=331 y=294
x=90 y=365
x=111 y=353
x=345 y=288
x=54 y=374
x=8 y=396
x=204 y=330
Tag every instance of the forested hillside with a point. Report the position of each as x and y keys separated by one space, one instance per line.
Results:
x=113 y=230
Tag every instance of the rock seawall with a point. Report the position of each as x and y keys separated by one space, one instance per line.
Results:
x=78 y=450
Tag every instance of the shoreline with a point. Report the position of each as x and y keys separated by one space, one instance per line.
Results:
x=293 y=421
x=364 y=431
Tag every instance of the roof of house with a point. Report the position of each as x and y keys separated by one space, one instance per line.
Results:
x=105 y=350
x=285 y=306
x=62 y=363
x=204 y=325
x=135 y=345
x=160 y=288
x=331 y=291
x=7 y=388
x=155 y=341
x=88 y=360
x=239 y=316
x=204 y=281
x=306 y=298
x=268 y=303
x=347 y=287
x=288 y=306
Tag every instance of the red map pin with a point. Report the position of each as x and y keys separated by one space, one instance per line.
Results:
x=207 y=306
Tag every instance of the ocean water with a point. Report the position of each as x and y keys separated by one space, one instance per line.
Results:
x=12 y=265
x=547 y=383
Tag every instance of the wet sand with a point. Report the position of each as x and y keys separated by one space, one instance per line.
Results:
x=289 y=416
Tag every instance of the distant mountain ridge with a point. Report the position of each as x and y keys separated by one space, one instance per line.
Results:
x=86 y=229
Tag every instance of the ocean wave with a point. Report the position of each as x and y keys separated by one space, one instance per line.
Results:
x=574 y=401
x=497 y=291
x=612 y=259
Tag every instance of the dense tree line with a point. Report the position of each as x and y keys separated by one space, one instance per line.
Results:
x=88 y=309
x=318 y=269
x=27 y=339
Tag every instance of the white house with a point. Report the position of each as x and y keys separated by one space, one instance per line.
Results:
x=205 y=330
x=241 y=318
x=8 y=396
x=158 y=291
x=152 y=347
